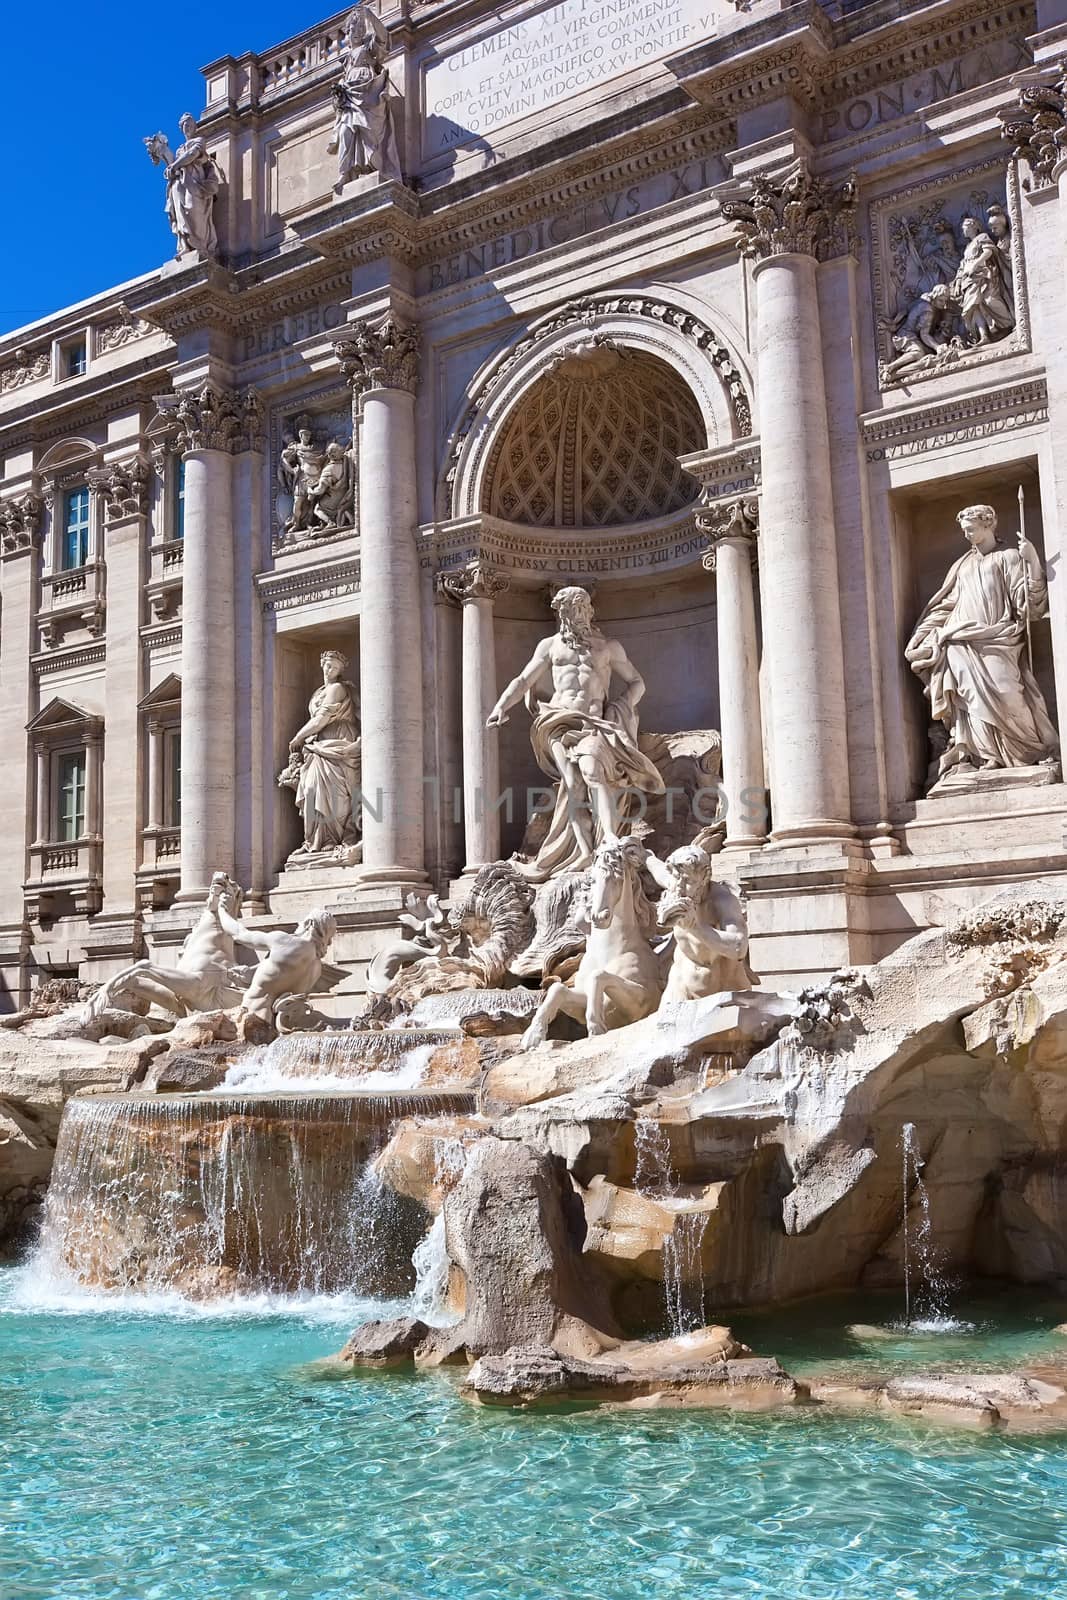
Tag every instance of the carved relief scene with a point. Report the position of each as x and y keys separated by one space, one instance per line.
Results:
x=946 y=278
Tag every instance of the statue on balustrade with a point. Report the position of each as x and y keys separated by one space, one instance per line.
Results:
x=583 y=738
x=193 y=182
x=364 y=137
x=972 y=649
x=324 y=769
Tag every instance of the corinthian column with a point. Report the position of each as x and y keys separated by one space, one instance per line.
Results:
x=732 y=529
x=212 y=427
x=381 y=362
x=785 y=225
x=475 y=589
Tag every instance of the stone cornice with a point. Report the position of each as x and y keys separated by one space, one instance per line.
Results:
x=889 y=435
x=290 y=589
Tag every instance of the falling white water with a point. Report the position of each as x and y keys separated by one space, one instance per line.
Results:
x=209 y=1196
x=342 y=1061
x=926 y=1289
x=683 y=1277
x=430 y=1256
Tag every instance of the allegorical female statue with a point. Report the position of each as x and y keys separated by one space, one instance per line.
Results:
x=324 y=766
x=193 y=181
x=971 y=650
x=364 y=138
x=981 y=287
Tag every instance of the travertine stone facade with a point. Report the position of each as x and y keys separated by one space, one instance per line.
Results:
x=722 y=312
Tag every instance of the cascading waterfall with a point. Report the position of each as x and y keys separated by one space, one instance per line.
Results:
x=926 y=1291
x=382 y=1059
x=430 y=1256
x=215 y=1194
x=683 y=1278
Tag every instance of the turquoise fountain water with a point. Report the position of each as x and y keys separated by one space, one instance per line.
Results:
x=198 y=1456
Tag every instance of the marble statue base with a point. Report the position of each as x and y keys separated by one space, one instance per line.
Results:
x=971 y=780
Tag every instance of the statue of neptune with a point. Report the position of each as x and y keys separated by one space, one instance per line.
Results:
x=581 y=736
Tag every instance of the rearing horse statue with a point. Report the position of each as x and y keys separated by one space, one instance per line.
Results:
x=618 y=980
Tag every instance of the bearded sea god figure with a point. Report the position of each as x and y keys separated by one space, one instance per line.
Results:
x=364 y=138
x=971 y=648
x=582 y=737
x=193 y=182
x=324 y=768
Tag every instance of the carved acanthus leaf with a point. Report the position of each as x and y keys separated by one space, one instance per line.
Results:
x=1037 y=127
x=123 y=487
x=727 y=519
x=382 y=356
x=794 y=214
x=211 y=418
x=20 y=522
x=477 y=581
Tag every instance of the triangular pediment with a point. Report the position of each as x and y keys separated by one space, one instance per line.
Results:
x=164 y=694
x=59 y=714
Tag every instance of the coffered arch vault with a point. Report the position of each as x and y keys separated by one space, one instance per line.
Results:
x=580 y=419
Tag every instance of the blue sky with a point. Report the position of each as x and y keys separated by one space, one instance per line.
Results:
x=81 y=203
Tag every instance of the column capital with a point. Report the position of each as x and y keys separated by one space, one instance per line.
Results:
x=793 y=214
x=20 y=523
x=1036 y=128
x=729 y=519
x=123 y=487
x=382 y=355
x=213 y=418
x=476 y=581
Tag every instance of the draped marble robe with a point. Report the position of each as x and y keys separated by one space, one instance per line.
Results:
x=969 y=649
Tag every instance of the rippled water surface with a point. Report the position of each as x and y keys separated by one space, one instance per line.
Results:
x=158 y=1456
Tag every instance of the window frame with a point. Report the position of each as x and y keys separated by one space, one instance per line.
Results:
x=67 y=753
x=85 y=528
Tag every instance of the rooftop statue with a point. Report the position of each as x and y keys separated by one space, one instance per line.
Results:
x=581 y=736
x=364 y=136
x=193 y=182
x=971 y=645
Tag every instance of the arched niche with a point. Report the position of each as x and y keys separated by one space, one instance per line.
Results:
x=647 y=332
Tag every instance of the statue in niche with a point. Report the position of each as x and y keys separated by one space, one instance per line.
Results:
x=971 y=648
x=324 y=769
x=951 y=294
x=364 y=137
x=584 y=739
x=318 y=485
x=193 y=182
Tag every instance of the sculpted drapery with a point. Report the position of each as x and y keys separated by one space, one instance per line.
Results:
x=324 y=767
x=969 y=648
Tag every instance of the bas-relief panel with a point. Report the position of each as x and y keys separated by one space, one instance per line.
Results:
x=928 y=318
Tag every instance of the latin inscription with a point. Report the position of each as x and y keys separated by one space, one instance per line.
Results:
x=545 y=58
x=302 y=325
x=925 y=89
x=619 y=206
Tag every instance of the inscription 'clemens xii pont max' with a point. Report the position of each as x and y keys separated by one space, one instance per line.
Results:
x=520 y=70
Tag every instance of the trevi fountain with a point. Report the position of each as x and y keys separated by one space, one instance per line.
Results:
x=533 y=854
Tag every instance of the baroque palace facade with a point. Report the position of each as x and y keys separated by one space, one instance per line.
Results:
x=720 y=309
